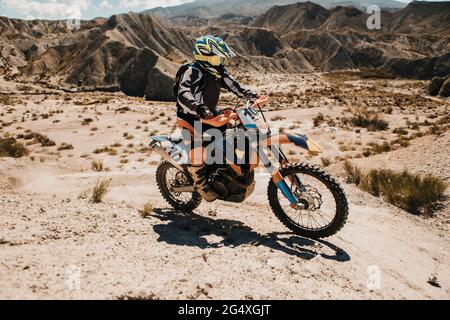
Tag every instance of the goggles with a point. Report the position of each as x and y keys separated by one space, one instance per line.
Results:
x=212 y=60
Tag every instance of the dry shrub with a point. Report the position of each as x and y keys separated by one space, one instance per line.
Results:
x=318 y=120
x=37 y=138
x=100 y=189
x=87 y=121
x=9 y=147
x=376 y=148
x=363 y=118
x=5 y=100
x=65 y=146
x=325 y=162
x=413 y=193
x=147 y=210
x=108 y=150
x=140 y=296
x=375 y=73
x=97 y=165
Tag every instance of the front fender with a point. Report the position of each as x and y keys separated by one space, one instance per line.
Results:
x=300 y=140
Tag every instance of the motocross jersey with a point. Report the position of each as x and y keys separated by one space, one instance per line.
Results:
x=199 y=89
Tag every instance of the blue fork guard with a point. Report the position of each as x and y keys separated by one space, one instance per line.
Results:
x=282 y=185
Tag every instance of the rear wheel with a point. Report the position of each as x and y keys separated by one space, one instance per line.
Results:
x=168 y=177
x=323 y=206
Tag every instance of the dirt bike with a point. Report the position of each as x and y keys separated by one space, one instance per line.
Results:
x=306 y=199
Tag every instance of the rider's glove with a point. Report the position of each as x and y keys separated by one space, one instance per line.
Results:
x=204 y=113
x=252 y=96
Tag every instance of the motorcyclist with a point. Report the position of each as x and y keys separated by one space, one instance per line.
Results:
x=199 y=94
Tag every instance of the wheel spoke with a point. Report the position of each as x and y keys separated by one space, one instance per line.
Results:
x=171 y=179
x=316 y=218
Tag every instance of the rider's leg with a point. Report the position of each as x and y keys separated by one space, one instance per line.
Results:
x=197 y=169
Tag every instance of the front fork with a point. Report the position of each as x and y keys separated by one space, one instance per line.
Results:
x=276 y=175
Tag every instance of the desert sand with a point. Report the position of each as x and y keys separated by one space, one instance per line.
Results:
x=54 y=243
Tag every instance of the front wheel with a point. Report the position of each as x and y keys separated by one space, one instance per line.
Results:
x=168 y=177
x=323 y=208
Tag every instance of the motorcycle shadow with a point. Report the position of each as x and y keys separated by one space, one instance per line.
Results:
x=190 y=229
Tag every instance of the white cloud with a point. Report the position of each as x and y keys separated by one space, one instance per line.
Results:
x=105 y=5
x=146 y=4
x=82 y=9
x=50 y=9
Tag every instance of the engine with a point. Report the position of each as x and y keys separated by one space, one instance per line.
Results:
x=230 y=187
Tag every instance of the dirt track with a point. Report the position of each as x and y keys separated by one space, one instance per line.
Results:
x=221 y=251
x=51 y=241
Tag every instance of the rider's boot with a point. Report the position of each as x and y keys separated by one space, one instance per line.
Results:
x=198 y=175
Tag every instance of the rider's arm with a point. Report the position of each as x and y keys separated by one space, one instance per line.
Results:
x=190 y=86
x=233 y=86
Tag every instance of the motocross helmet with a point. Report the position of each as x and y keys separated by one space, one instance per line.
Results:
x=211 y=52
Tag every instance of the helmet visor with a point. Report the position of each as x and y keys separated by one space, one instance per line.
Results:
x=212 y=60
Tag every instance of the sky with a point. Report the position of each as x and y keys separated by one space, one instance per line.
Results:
x=79 y=9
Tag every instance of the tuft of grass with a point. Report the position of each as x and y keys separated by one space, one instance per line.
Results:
x=99 y=190
x=433 y=281
x=87 y=121
x=141 y=296
x=9 y=147
x=122 y=110
x=65 y=146
x=325 y=162
x=147 y=210
x=108 y=150
x=376 y=148
x=37 y=138
x=365 y=119
x=5 y=100
x=318 y=120
x=354 y=174
x=400 y=131
x=416 y=194
x=97 y=165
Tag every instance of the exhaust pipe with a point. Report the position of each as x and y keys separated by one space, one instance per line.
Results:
x=154 y=146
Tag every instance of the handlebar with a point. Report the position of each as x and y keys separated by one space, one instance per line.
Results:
x=261 y=101
x=230 y=114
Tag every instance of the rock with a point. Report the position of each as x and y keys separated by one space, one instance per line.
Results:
x=424 y=68
x=435 y=86
x=160 y=86
x=148 y=75
x=445 y=89
x=133 y=77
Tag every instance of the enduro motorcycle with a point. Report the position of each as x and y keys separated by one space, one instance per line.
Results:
x=306 y=199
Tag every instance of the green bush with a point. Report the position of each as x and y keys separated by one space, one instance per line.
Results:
x=372 y=123
x=411 y=192
x=365 y=118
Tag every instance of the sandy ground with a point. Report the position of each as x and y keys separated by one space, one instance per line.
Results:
x=55 y=244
